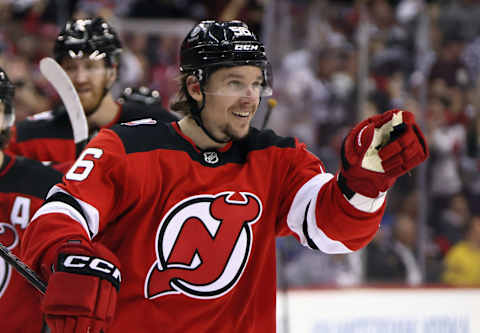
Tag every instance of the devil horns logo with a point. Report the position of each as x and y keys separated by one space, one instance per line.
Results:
x=203 y=245
x=9 y=238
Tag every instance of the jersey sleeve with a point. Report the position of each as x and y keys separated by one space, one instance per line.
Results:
x=319 y=215
x=91 y=195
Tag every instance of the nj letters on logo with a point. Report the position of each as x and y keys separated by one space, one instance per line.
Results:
x=203 y=245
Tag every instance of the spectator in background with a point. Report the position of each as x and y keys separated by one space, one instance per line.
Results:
x=29 y=99
x=451 y=224
x=447 y=142
x=470 y=160
x=167 y=9
x=392 y=259
x=462 y=263
x=449 y=66
x=460 y=16
x=302 y=267
x=312 y=90
x=249 y=11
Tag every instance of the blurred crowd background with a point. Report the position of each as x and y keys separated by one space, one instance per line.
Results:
x=334 y=63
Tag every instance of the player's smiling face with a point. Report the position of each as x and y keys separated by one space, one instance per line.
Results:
x=90 y=78
x=232 y=96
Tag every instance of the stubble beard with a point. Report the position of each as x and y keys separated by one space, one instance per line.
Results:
x=91 y=105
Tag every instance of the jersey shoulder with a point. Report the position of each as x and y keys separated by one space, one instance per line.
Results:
x=264 y=139
x=29 y=177
x=149 y=134
x=49 y=124
x=132 y=111
x=145 y=135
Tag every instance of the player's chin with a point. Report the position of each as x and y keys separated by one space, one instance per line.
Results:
x=89 y=105
x=239 y=134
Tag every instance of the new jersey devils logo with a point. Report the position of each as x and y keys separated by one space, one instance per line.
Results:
x=203 y=245
x=9 y=238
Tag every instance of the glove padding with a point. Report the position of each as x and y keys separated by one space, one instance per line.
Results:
x=379 y=150
x=82 y=292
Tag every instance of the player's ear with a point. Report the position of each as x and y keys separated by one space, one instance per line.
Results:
x=111 y=76
x=193 y=88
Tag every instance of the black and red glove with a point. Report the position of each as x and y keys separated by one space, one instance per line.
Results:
x=82 y=292
x=379 y=150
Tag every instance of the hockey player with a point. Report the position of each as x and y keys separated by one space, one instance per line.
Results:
x=89 y=52
x=191 y=209
x=24 y=184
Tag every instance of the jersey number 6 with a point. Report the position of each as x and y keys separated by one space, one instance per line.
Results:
x=82 y=168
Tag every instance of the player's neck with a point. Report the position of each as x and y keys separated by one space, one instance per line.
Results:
x=106 y=113
x=2 y=158
x=191 y=129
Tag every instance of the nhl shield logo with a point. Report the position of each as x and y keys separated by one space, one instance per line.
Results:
x=211 y=157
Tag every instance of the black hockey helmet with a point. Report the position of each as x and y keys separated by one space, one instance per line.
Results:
x=214 y=44
x=93 y=37
x=7 y=91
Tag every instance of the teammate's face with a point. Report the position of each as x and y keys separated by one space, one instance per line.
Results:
x=90 y=78
x=232 y=96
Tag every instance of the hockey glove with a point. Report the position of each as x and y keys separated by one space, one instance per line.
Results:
x=82 y=292
x=379 y=150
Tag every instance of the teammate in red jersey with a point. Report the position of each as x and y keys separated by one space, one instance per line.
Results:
x=191 y=209
x=24 y=184
x=89 y=52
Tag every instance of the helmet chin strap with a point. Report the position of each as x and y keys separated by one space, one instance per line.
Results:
x=198 y=119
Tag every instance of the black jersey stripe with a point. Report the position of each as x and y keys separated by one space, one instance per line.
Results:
x=29 y=177
x=56 y=127
x=310 y=241
x=57 y=124
x=143 y=138
x=72 y=202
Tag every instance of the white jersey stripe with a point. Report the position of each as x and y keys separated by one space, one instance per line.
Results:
x=62 y=208
x=308 y=193
x=366 y=204
x=307 y=197
x=90 y=223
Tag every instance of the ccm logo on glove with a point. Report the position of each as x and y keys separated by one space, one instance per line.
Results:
x=81 y=264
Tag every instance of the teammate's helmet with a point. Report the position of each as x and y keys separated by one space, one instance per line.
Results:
x=94 y=38
x=223 y=44
x=7 y=91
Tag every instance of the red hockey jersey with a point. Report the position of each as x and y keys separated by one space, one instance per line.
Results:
x=195 y=230
x=24 y=184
